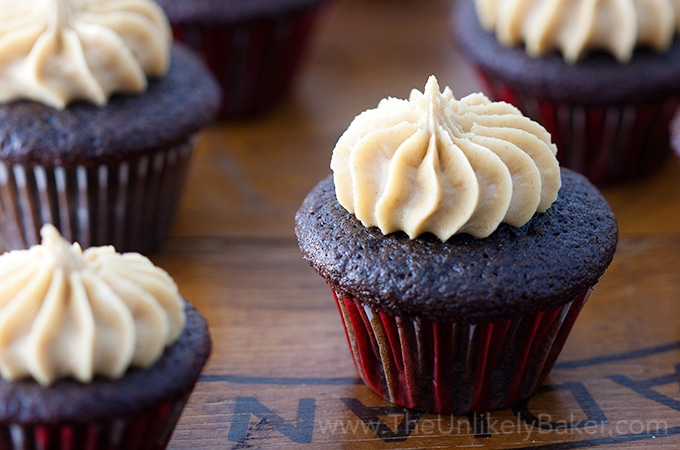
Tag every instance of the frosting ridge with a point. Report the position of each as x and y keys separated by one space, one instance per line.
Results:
x=577 y=27
x=58 y=51
x=69 y=313
x=436 y=164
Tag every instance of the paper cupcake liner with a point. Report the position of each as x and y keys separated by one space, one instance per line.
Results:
x=255 y=62
x=455 y=368
x=607 y=143
x=149 y=431
x=130 y=204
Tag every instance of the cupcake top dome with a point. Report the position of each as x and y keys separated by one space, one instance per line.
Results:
x=575 y=27
x=58 y=51
x=436 y=164
x=69 y=313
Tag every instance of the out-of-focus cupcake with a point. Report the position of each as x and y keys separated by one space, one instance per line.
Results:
x=97 y=349
x=255 y=48
x=602 y=77
x=675 y=132
x=458 y=252
x=99 y=115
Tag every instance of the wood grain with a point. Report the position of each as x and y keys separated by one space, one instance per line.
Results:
x=281 y=375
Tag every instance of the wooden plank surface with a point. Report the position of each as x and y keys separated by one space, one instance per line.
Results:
x=281 y=375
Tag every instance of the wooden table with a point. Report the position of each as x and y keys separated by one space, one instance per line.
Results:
x=281 y=374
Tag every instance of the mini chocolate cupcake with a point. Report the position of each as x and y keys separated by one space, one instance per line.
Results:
x=102 y=151
x=97 y=349
x=458 y=253
x=255 y=48
x=605 y=93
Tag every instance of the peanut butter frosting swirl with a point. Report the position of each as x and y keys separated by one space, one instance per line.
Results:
x=69 y=313
x=436 y=164
x=58 y=51
x=575 y=27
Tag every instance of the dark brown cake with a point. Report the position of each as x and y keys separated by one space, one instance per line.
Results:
x=173 y=107
x=551 y=259
x=137 y=411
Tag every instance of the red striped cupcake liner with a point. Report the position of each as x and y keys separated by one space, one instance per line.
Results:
x=255 y=61
x=455 y=368
x=150 y=430
x=607 y=143
x=130 y=204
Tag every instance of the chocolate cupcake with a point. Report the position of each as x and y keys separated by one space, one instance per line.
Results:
x=458 y=279
x=98 y=350
x=605 y=93
x=675 y=132
x=102 y=154
x=255 y=48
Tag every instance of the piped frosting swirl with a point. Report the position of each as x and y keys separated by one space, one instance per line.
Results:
x=58 y=51
x=436 y=164
x=69 y=313
x=575 y=27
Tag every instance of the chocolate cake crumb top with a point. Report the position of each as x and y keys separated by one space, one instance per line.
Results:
x=547 y=262
x=172 y=108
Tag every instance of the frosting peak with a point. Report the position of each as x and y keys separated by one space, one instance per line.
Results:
x=576 y=27
x=436 y=164
x=68 y=256
x=58 y=51
x=69 y=313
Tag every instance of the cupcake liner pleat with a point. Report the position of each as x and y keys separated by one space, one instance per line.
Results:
x=254 y=61
x=455 y=367
x=150 y=430
x=130 y=204
x=607 y=143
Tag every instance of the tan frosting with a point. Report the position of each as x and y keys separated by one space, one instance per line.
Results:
x=575 y=27
x=69 y=313
x=57 y=51
x=436 y=164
